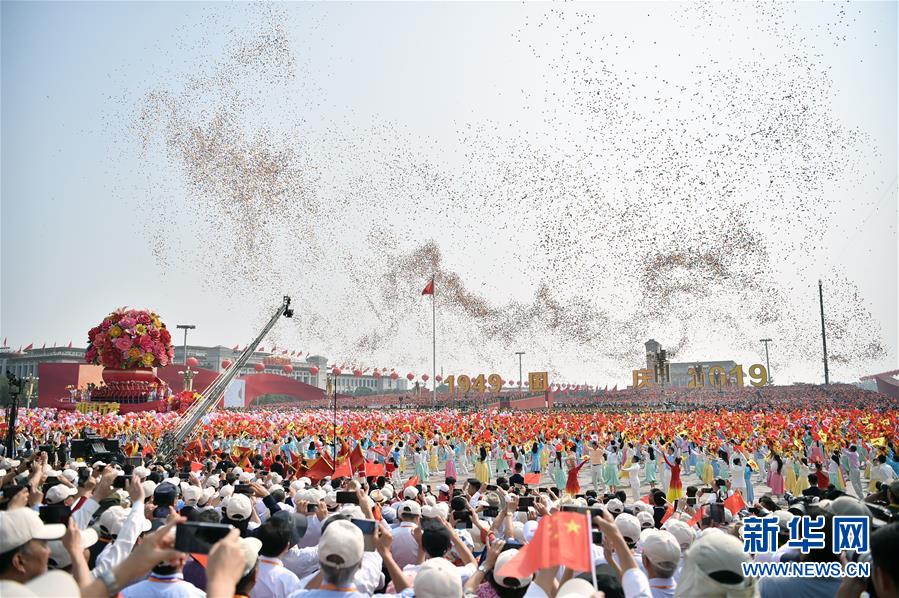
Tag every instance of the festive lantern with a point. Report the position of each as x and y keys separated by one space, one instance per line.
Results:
x=425 y=377
x=357 y=372
x=410 y=376
x=259 y=367
x=226 y=363
x=394 y=375
x=313 y=370
x=288 y=369
x=336 y=371
x=192 y=362
x=439 y=378
x=376 y=374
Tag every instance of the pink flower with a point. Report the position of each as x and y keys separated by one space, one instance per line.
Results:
x=123 y=343
x=143 y=318
x=146 y=343
x=127 y=322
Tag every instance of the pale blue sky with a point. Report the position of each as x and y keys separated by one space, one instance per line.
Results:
x=79 y=200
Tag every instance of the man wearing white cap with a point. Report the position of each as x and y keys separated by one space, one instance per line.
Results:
x=438 y=578
x=24 y=551
x=661 y=557
x=405 y=546
x=340 y=552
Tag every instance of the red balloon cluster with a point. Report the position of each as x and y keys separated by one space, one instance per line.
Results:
x=192 y=362
x=226 y=363
x=313 y=370
x=394 y=375
x=288 y=369
x=259 y=367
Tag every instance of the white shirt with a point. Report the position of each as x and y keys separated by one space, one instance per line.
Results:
x=117 y=551
x=274 y=580
x=662 y=588
x=367 y=578
x=883 y=473
x=302 y=561
x=169 y=586
x=635 y=584
x=404 y=547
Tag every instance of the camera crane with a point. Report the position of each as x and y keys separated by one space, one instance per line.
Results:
x=173 y=439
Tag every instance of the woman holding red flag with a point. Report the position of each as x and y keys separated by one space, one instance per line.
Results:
x=675 y=487
x=572 y=485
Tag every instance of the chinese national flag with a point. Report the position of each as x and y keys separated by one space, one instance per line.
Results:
x=194 y=466
x=532 y=478
x=343 y=470
x=374 y=469
x=429 y=288
x=669 y=511
x=562 y=539
x=735 y=503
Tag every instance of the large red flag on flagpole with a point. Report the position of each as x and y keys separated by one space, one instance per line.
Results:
x=561 y=539
x=429 y=288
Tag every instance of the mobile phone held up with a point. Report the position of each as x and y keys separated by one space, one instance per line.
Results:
x=198 y=537
x=368 y=532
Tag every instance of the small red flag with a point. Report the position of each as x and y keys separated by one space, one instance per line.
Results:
x=29 y=347
x=561 y=539
x=669 y=511
x=374 y=469
x=646 y=500
x=696 y=517
x=735 y=503
x=200 y=558
x=532 y=478
x=429 y=288
x=70 y=344
x=194 y=466
x=343 y=470
x=412 y=482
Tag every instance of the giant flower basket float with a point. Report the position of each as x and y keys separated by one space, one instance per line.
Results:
x=130 y=344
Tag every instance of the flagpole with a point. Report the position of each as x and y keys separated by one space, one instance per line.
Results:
x=434 y=337
x=590 y=533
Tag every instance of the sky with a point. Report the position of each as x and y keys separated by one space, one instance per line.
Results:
x=543 y=161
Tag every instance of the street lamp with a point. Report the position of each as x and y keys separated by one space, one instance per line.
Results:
x=30 y=383
x=767 y=361
x=520 y=379
x=185 y=328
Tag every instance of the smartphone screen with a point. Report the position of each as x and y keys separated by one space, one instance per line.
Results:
x=55 y=514
x=198 y=537
x=597 y=537
x=491 y=512
x=491 y=487
x=368 y=532
x=347 y=498
x=524 y=502
x=243 y=489
x=120 y=482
